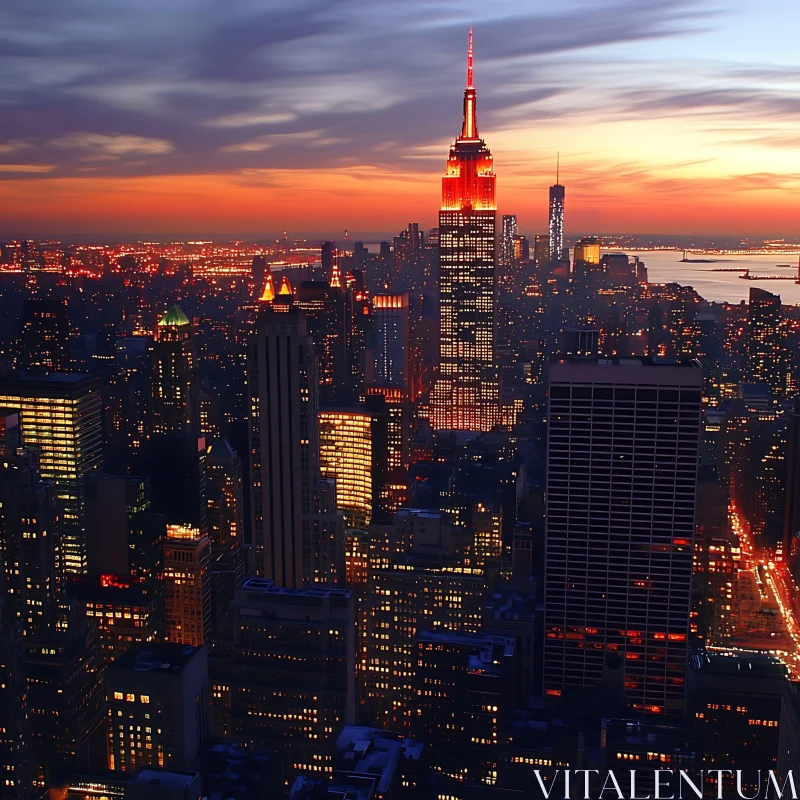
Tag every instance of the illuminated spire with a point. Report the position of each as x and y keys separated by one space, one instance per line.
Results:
x=469 y=130
x=286 y=287
x=470 y=54
x=268 y=292
x=336 y=275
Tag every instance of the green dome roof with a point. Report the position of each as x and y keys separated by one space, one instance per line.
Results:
x=174 y=318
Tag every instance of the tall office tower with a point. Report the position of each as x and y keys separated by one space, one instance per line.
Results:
x=224 y=492
x=556 y=229
x=345 y=455
x=791 y=517
x=258 y=270
x=296 y=703
x=587 y=251
x=541 y=251
x=323 y=560
x=60 y=415
x=328 y=260
x=464 y=682
x=187 y=586
x=15 y=755
x=178 y=479
x=157 y=706
x=64 y=671
x=622 y=456
x=284 y=444
x=466 y=395
x=417 y=579
x=124 y=610
x=767 y=360
x=390 y=325
x=487 y=534
x=508 y=257
x=586 y=259
x=398 y=423
x=354 y=452
x=28 y=542
x=123 y=535
x=44 y=342
x=175 y=394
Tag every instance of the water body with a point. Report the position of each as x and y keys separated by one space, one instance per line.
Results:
x=665 y=266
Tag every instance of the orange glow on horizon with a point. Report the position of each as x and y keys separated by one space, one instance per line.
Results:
x=258 y=202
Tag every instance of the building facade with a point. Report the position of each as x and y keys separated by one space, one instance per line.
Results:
x=284 y=450
x=621 y=482
x=466 y=395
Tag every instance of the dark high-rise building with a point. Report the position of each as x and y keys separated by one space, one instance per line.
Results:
x=44 y=343
x=124 y=610
x=292 y=673
x=15 y=754
x=541 y=250
x=325 y=558
x=509 y=260
x=123 y=535
x=466 y=395
x=178 y=479
x=328 y=259
x=224 y=492
x=28 y=540
x=284 y=449
x=64 y=671
x=59 y=415
x=556 y=229
x=766 y=342
x=791 y=517
x=463 y=682
x=158 y=706
x=175 y=389
x=621 y=480
x=390 y=325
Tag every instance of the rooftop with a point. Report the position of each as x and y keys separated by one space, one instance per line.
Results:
x=164 y=778
x=174 y=318
x=632 y=361
x=167 y=658
x=267 y=587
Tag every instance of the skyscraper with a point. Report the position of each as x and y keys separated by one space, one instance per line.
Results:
x=391 y=327
x=28 y=542
x=187 y=586
x=158 y=706
x=60 y=415
x=766 y=341
x=508 y=258
x=44 y=342
x=175 y=388
x=15 y=755
x=466 y=394
x=353 y=450
x=293 y=671
x=557 y=193
x=621 y=472
x=284 y=449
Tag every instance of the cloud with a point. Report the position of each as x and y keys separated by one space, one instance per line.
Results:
x=168 y=86
x=13 y=147
x=31 y=169
x=251 y=119
x=112 y=144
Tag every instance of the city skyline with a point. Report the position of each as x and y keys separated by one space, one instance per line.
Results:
x=249 y=121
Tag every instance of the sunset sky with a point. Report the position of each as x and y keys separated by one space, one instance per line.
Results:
x=248 y=117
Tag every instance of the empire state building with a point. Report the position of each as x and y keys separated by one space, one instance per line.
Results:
x=466 y=395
